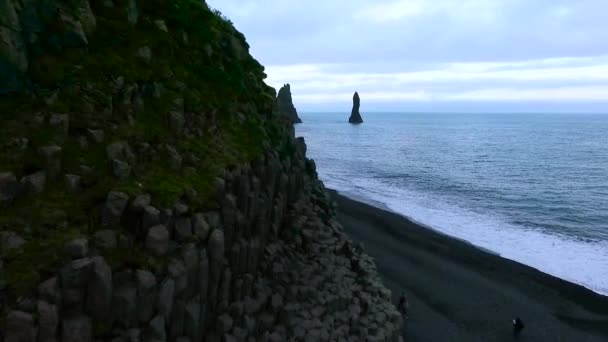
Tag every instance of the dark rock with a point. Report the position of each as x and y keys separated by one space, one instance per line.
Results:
x=49 y=291
x=266 y=320
x=13 y=49
x=105 y=239
x=74 y=35
x=116 y=203
x=180 y=209
x=155 y=332
x=61 y=122
x=73 y=278
x=176 y=122
x=51 y=155
x=355 y=116
x=133 y=335
x=125 y=241
x=140 y=202
x=157 y=240
x=146 y=295
x=220 y=188
x=174 y=158
x=150 y=217
x=121 y=169
x=100 y=290
x=165 y=216
x=203 y=273
x=85 y=170
x=183 y=228
x=9 y=188
x=200 y=227
x=145 y=54
x=177 y=270
x=48 y=321
x=27 y=304
x=160 y=24
x=72 y=183
x=9 y=241
x=176 y=326
x=34 y=183
x=165 y=298
x=19 y=327
x=178 y=102
x=124 y=304
x=190 y=257
x=96 y=135
x=224 y=323
x=285 y=104
x=213 y=219
x=154 y=89
x=276 y=302
x=77 y=248
x=77 y=329
x=224 y=290
x=216 y=245
x=120 y=150
x=132 y=12
x=192 y=319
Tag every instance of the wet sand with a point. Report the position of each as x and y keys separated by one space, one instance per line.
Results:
x=458 y=292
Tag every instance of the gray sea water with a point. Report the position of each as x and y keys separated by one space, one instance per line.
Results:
x=530 y=187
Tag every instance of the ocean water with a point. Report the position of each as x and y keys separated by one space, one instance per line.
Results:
x=530 y=187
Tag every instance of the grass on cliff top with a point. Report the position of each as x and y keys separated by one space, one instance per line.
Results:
x=213 y=78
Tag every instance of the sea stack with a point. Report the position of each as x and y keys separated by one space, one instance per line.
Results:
x=285 y=104
x=355 y=116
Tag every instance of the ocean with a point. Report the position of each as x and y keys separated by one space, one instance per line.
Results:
x=530 y=187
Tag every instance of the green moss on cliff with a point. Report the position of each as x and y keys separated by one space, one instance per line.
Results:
x=202 y=59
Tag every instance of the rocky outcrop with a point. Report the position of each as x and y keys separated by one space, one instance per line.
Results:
x=150 y=193
x=284 y=268
x=285 y=104
x=25 y=30
x=355 y=116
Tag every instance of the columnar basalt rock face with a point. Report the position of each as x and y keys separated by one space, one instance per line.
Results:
x=134 y=208
x=355 y=116
x=285 y=104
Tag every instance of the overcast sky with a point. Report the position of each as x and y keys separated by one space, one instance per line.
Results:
x=446 y=55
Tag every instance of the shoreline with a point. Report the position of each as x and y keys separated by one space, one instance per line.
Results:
x=384 y=207
x=471 y=292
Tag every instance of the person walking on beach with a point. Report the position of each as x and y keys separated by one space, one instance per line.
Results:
x=518 y=326
x=403 y=305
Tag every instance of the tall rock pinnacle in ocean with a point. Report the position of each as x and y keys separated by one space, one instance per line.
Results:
x=285 y=104
x=355 y=116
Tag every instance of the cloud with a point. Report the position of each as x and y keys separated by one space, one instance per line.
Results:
x=398 y=10
x=390 y=11
x=423 y=50
x=561 y=79
x=373 y=96
x=559 y=94
x=340 y=31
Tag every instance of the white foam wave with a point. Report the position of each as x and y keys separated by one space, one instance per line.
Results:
x=581 y=262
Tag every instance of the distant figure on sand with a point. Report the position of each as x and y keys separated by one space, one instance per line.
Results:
x=403 y=305
x=518 y=326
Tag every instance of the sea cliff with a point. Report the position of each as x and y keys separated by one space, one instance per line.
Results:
x=150 y=190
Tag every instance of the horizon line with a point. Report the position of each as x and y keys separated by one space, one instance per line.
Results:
x=454 y=112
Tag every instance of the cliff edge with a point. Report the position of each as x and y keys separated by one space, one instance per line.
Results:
x=151 y=190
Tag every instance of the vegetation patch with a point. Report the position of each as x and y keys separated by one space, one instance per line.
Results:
x=202 y=59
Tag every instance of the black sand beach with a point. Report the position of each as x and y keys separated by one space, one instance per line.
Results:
x=458 y=292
